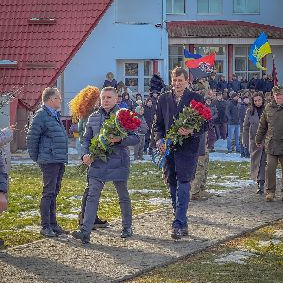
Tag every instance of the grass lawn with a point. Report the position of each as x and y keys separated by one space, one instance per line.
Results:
x=255 y=258
x=20 y=224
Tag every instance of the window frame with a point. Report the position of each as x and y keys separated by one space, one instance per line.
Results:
x=246 y=56
x=246 y=13
x=174 y=13
x=200 y=13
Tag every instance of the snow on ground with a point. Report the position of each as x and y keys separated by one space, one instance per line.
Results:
x=145 y=191
x=278 y=234
x=234 y=183
x=268 y=243
x=158 y=201
x=238 y=257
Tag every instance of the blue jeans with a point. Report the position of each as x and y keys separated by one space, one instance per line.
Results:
x=233 y=131
x=180 y=202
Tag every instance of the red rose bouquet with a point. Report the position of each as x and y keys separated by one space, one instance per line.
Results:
x=192 y=117
x=117 y=126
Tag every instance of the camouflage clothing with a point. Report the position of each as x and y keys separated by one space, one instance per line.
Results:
x=199 y=182
x=271 y=128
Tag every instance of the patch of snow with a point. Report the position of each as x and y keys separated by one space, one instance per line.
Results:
x=238 y=257
x=278 y=234
x=234 y=184
x=144 y=191
x=32 y=228
x=158 y=201
x=72 y=150
x=221 y=156
x=267 y=243
x=75 y=198
x=30 y=213
x=68 y=216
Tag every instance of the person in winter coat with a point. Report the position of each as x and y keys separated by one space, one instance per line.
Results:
x=142 y=130
x=258 y=155
x=115 y=169
x=213 y=81
x=110 y=81
x=222 y=84
x=180 y=164
x=234 y=84
x=211 y=136
x=128 y=101
x=244 y=104
x=47 y=144
x=6 y=136
x=81 y=107
x=232 y=113
x=271 y=130
x=149 y=112
x=156 y=83
x=253 y=82
x=220 y=122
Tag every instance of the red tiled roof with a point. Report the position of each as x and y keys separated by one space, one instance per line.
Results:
x=229 y=29
x=42 y=50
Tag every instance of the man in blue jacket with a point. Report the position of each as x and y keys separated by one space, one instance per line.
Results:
x=116 y=169
x=180 y=164
x=47 y=144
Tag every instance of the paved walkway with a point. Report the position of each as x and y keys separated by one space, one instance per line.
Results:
x=108 y=258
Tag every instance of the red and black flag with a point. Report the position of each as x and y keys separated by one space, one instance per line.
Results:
x=201 y=67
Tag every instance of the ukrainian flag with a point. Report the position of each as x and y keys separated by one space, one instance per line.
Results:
x=259 y=49
x=190 y=56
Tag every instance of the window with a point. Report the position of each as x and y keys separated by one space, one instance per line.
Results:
x=175 y=6
x=242 y=65
x=176 y=56
x=246 y=6
x=209 y=6
x=131 y=76
x=137 y=75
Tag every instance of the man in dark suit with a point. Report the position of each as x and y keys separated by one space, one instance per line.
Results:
x=180 y=164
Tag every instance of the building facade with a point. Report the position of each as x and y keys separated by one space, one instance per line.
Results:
x=228 y=28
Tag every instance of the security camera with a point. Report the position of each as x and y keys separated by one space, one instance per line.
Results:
x=159 y=25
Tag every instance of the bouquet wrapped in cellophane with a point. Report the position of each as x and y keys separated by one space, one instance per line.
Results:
x=117 y=126
x=192 y=117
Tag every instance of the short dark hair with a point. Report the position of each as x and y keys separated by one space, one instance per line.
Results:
x=178 y=71
x=48 y=93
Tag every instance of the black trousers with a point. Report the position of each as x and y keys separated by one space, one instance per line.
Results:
x=52 y=177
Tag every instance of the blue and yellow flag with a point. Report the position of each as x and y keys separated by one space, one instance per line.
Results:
x=259 y=49
x=190 y=56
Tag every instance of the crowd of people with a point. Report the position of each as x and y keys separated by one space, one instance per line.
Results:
x=247 y=114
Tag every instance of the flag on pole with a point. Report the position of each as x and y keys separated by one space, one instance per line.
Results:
x=274 y=73
x=190 y=56
x=201 y=67
x=259 y=49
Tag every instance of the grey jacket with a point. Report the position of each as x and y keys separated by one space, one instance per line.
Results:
x=118 y=162
x=47 y=140
x=6 y=136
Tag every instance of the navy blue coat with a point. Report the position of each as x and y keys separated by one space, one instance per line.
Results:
x=234 y=85
x=180 y=164
x=118 y=162
x=232 y=112
x=47 y=140
x=222 y=85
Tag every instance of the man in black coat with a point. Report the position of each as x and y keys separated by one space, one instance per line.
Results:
x=181 y=162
